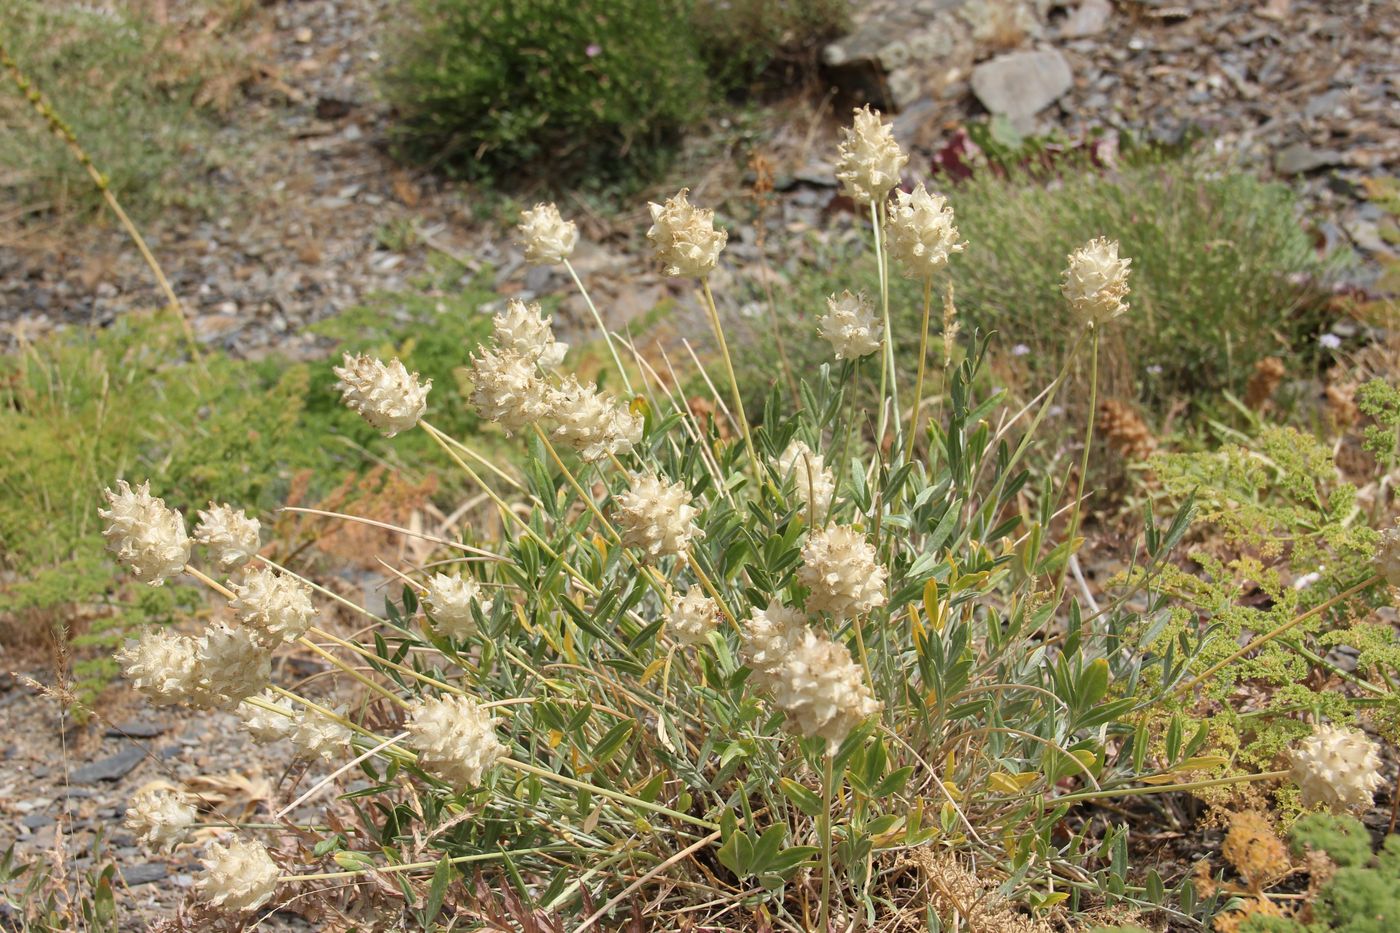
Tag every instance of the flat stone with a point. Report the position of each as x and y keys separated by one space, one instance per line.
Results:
x=1300 y=158
x=137 y=729
x=112 y=768
x=143 y=874
x=37 y=820
x=1021 y=84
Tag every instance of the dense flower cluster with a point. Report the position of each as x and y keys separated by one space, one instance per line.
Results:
x=840 y=571
x=230 y=665
x=161 y=665
x=869 y=160
x=693 y=617
x=685 y=237
x=456 y=739
x=145 y=534
x=317 y=735
x=921 y=232
x=548 y=238
x=240 y=876
x=593 y=424
x=524 y=329
x=1096 y=281
x=276 y=607
x=265 y=725
x=449 y=600
x=656 y=517
x=1337 y=768
x=811 y=678
x=850 y=325
x=815 y=483
x=506 y=389
x=229 y=535
x=384 y=394
x=159 y=818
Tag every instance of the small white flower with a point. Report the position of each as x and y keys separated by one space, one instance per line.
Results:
x=841 y=573
x=593 y=424
x=1339 y=768
x=145 y=534
x=456 y=739
x=523 y=329
x=656 y=517
x=264 y=725
x=240 y=876
x=548 y=238
x=159 y=818
x=229 y=534
x=1020 y=350
x=231 y=666
x=316 y=735
x=850 y=325
x=1330 y=341
x=693 y=617
x=161 y=665
x=815 y=484
x=506 y=389
x=277 y=607
x=1096 y=281
x=449 y=601
x=685 y=237
x=921 y=232
x=869 y=160
x=386 y=395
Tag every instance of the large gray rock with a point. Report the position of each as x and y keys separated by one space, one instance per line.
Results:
x=1021 y=84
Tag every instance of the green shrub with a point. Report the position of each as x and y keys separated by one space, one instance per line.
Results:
x=487 y=88
x=743 y=41
x=1362 y=897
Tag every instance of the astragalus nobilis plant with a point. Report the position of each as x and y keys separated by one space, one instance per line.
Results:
x=774 y=677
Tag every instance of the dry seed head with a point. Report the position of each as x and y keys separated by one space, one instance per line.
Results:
x=656 y=517
x=1255 y=850
x=1125 y=431
x=1096 y=281
x=456 y=739
x=230 y=536
x=161 y=665
x=449 y=601
x=1338 y=768
x=685 y=237
x=526 y=330
x=921 y=232
x=1263 y=382
x=869 y=160
x=159 y=818
x=547 y=237
x=593 y=424
x=850 y=325
x=317 y=735
x=840 y=570
x=237 y=877
x=264 y=725
x=506 y=389
x=384 y=394
x=693 y=617
x=146 y=535
x=231 y=666
x=275 y=607
x=814 y=482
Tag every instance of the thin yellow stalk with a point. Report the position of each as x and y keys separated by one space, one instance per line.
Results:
x=419 y=866
x=1169 y=788
x=888 y=378
x=628 y=799
x=377 y=688
x=617 y=360
x=729 y=370
x=923 y=361
x=1083 y=459
x=828 y=782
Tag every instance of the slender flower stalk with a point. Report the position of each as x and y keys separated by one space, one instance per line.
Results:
x=602 y=329
x=923 y=364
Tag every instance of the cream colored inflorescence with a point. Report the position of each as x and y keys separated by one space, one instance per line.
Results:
x=869 y=160
x=230 y=665
x=811 y=678
x=841 y=573
x=159 y=818
x=384 y=394
x=145 y=534
x=449 y=600
x=922 y=236
x=264 y=725
x=850 y=325
x=456 y=739
x=228 y=534
x=1337 y=768
x=237 y=877
x=815 y=483
x=656 y=517
x=693 y=617
x=1096 y=282
x=317 y=735
x=547 y=237
x=685 y=237
x=276 y=607
x=524 y=329
x=593 y=424
x=161 y=665
x=507 y=389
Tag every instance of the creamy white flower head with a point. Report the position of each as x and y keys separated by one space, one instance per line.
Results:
x=525 y=330
x=685 y=237
x=237 y=877
x=811 y=678
x=449 y=601
x=1387 y=559
x=276 y=607
x=869 y=160
x=656 y=517
x=921 y=232
x=455 y=738
x=1096 y=281
x=814 y=482
x=384 y=394
x=229 y=534
x=850 y=325
x=145 y=534
x=159 y=818
x=841 y=573
x=506 y=389
x=161 y=665
x=1338 y=768
x=693 y=617
x=593 y=424
x=548 y=238
x=231 y=666
x=316 y=735
x=264 y=725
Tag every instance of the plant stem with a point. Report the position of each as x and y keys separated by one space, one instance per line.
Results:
x=887 y=373
x=729 y=370
x=605 y=792
x=828 y=780
x=598 y=318
x=923 y=360
x=415 y=866
x=1083 y=459
x=1169 y=788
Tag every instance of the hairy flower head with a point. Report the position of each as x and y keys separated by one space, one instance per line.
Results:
x=524 y=329
x=161 y=665
x=841 y=573
x=230 y=536
x=231 y=666
x=921 y=232
x=815 y=484
x=1096 y=281
x=850 y=325
x=655 y=516
x=159 y=818
x=276 y=607
x=455 y=738
x=384 y=394
x=237 y=877
x=548 y=238
x=869 y=160
x=317 y=735
x=449 y=600
x=1338 y=768
x=693 y=617
x=264 y=725
x=146 y=535
x=593 y=424
x=685 y=237
x=506 y=389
